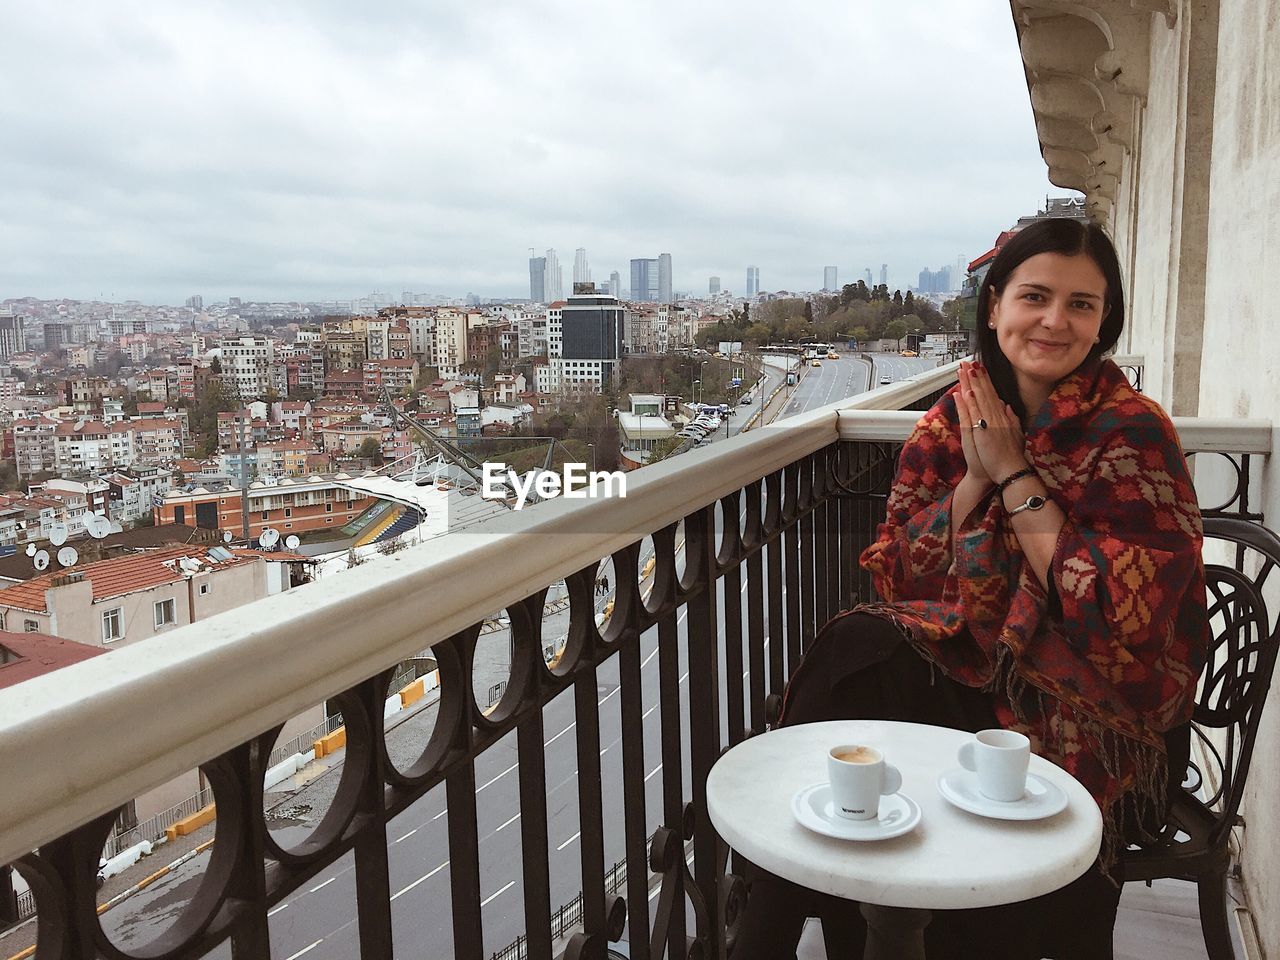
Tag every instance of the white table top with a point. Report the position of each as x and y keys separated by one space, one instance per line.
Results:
x=951 y=860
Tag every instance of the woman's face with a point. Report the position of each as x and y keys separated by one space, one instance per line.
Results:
x=1047 y=319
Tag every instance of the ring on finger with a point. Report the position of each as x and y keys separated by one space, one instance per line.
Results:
x=981 y=424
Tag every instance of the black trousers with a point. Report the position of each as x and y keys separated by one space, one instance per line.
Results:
x=862 y=669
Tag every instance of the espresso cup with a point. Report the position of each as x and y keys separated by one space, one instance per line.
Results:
x=1000 y=759
x=859 y=778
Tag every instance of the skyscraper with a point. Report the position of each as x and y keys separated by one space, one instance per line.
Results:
x=829 y=281
x=867 y=271
x=753 y=281
x=664 y=278
x=644 y=280
x=884 y=274
x=553 y=286
x=713 y=285
x=581 y=270
x=538 y=279
x=960 y=272
x=615 y=284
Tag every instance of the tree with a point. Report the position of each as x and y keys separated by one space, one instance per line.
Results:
x=370 y=450
x=895 y=330
x=808 y=311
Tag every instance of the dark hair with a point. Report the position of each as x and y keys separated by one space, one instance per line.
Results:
x=1069 y=237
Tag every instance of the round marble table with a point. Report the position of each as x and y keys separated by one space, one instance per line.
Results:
x=951 y=860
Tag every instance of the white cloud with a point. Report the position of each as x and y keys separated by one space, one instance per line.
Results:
x=318 y=150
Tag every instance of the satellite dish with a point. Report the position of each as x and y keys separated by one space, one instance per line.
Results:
x=98 y=527
x=67 y=556
x=31 y=549
x=292 y=542
x=269 y=537
x=116 y=527
x=58 y=534
x=42 y=559
x=226 y=536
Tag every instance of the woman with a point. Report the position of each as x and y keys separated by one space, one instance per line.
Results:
x=1040 y=570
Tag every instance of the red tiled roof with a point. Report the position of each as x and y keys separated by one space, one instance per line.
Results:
x=114 y=577
x=38 y=654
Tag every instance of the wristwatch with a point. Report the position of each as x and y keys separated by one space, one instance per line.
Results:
x=1034 y=502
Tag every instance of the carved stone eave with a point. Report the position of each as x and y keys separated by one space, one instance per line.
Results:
x=1087 y=66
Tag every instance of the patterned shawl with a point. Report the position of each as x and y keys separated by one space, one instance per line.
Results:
x=1097 y=669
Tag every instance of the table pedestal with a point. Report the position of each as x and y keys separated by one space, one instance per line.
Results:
x=895 y=933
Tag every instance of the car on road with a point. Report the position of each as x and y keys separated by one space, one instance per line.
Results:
x=816 y=363
x=884 y=380
x=745 y=401
x=833 y=355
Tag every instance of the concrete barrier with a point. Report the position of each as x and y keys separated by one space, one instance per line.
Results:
x=412 y=693
x=286 y=768
x=332 y=743
x=192 y=823
x=124 y=860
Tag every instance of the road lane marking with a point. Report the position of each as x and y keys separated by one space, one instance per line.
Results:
x=650 y=774
x=509 y=822
x=422 y=879
x=604 y=751
x=272 y=913
x=560 y=734
x=685 y=677
x=498 y=777
x=608 y=695
x=649 y=711
x=645 y=662
x=409 y=834
x=325 y=884
x=570 y=840
x=440 y=814
x=307 y=949
x=498 y=894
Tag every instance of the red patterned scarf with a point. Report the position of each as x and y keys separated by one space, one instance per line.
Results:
x=1096 y=670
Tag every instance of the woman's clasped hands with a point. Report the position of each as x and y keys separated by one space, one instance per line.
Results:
x=990 y=432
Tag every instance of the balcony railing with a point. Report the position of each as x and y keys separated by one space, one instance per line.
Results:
x=724 y=561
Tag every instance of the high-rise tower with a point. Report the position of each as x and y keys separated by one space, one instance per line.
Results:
x=829 y=281
x=581 y=270
x=664 y=278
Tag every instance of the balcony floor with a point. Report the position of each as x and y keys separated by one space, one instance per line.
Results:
x=1161 y=923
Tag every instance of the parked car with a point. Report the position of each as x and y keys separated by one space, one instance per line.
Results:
x=884 y=380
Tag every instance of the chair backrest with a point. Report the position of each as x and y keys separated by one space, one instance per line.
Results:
x=1245 y=637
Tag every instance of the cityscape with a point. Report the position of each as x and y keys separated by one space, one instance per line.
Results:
x=433 y=441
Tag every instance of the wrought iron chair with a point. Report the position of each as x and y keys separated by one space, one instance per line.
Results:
x=1193 y=844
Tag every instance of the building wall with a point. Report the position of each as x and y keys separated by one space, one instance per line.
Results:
x=1199 y=210
x=1194 y=217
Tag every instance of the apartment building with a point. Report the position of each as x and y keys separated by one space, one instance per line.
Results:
x=33 y=445
x=246 y=363
x=83 y=446
x=132 y=494
x=450 y=342
x=127 y=599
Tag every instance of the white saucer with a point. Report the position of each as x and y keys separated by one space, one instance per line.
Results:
x=1042 y=799
x=813 y=808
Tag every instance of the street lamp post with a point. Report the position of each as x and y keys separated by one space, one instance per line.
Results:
x=696 y=384
x=592 y=448
x=702 y=377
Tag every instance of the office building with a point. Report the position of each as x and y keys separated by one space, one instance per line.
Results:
x=538 y=279
x=581 y=270
x=829 y=282
x=591 y=328
x=664 y=278
x=615 y=285
x=753 y=281
x=552 y=285
x=867 y=273
x=884 y=274
x=196 y=302
x=13 y=337
x=713 y=285
x=935 y=281
x=644 y=280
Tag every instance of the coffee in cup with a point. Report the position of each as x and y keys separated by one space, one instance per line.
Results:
x=859 y=777
x=1000 y=759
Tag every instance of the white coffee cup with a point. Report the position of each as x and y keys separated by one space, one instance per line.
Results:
x=1000 y=759
x=859 y=778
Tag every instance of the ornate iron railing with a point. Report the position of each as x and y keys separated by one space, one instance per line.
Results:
x=753 y=545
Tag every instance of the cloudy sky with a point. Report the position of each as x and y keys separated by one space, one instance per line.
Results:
x=322 y=150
